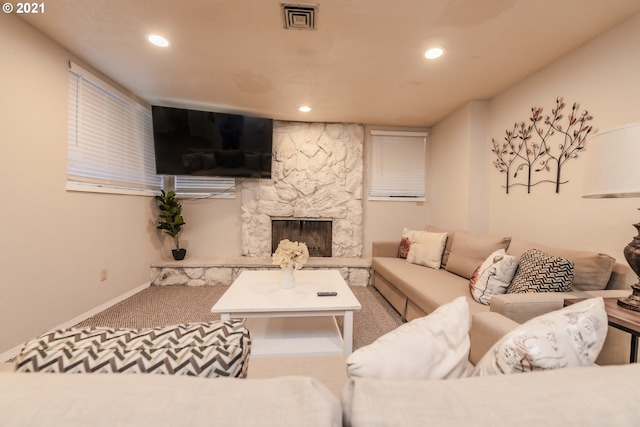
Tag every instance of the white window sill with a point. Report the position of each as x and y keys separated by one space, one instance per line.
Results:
x=397 y=199
x=91 y=188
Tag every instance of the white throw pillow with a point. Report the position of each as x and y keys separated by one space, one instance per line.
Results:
x=570 y=337
x=493 y=276
x=430 y=347
x=427 y=248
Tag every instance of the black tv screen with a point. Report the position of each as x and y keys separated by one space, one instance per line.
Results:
x=205 y=143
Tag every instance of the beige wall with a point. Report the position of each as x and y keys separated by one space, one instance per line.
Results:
x=448 y=171
x=602 y=77
x=212 y=228
x=458 y=176
x=55 y=242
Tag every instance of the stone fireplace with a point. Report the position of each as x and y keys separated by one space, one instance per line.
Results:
x=317 y=174
x=314 y=232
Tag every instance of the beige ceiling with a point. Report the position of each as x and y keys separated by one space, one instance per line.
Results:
x=363 y=64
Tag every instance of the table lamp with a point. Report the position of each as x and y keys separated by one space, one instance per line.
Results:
x=612 y=169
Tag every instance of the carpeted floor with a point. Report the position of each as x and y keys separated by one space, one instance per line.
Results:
x=168 y=305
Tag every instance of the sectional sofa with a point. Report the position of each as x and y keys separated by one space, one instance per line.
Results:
x=316 y=392
x=558 y=397
x=415 y=290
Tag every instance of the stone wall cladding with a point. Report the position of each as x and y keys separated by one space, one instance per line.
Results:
x=317 y=173
x=209 y=276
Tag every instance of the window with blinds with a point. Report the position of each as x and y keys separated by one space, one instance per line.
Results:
x=397 y=165
x=204 y=187
x=110 y=139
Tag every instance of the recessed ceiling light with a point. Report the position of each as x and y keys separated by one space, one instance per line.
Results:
x=157 y=40
x=305 y=109
x=434 y=53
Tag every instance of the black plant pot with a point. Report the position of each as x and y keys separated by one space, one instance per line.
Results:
x=179 y=254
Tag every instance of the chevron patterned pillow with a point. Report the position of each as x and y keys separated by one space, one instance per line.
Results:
x=541 y=272
x=216 y=349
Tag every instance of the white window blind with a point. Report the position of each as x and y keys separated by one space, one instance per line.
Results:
x=397 y=165
x=110 y=139
x=201 y=186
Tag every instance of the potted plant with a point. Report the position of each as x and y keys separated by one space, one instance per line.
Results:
x=171 y=220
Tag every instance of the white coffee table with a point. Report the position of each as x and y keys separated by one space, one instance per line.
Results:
x=287 y=322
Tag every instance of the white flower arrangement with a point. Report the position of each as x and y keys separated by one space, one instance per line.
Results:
x=291 y=254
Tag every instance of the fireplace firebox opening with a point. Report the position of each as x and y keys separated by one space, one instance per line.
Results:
x=316 y=233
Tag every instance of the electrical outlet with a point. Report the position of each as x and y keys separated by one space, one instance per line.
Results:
x=103 y=274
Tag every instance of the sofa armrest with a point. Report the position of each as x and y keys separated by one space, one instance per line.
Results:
x=523 y=307
x=526 y=306
x=486 y=329
x=387 y=248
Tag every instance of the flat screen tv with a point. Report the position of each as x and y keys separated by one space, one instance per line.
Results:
x=205 y=143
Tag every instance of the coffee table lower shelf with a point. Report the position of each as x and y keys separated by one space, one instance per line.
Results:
x=294 y=336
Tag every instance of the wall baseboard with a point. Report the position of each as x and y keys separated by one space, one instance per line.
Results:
x=10 y=354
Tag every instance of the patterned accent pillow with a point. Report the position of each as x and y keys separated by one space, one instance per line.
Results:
x=570 y=337
x=493 y=276
x=217 y=349
x=405 y=242
x=405 y=246
x=541 y=272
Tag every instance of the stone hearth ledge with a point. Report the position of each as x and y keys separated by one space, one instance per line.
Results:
x=223 y=271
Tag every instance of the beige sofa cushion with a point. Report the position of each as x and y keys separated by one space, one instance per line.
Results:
x=426 y=287
x=469 y=250
x=328 y=370
x=592 y=270
x=592 y=396
x=34 y=399
x=447 y=246
x=432 y=294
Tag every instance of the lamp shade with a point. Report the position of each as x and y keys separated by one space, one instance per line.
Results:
x=612 y=167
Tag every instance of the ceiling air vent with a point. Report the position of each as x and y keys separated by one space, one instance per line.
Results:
x=299 y=16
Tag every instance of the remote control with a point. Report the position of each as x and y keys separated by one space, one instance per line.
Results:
x=327 y=294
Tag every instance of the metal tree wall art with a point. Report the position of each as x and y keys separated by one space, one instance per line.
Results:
x=528 y=149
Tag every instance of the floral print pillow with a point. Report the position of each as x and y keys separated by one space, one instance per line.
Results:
x=493 y=276
x=570 y=337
